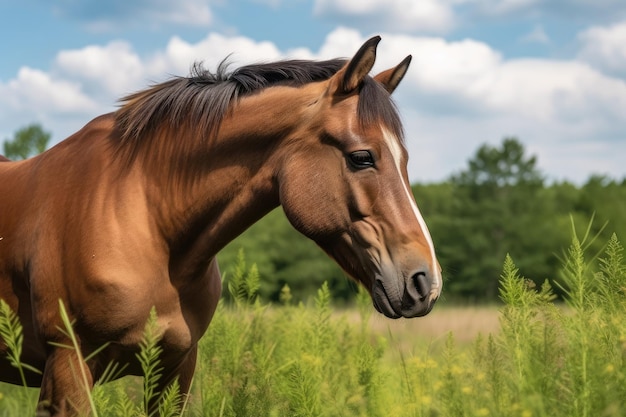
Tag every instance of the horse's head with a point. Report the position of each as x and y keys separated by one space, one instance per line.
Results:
x=345 y=185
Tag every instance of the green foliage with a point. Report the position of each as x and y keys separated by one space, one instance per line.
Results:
x=244 y=284
x=579 y=351
x=498 y=167
x=495 y=209
x=28 y=141
x=310 y=360
x=12 y=335
x=612 y=276
x=500 y=205
x=112 y=399
x=547 y=360
x=285 y=295
x=283 y=256
x=169 y=406
x=528 y=333
x=149 y=359
x=605 y=200
x=296 y=360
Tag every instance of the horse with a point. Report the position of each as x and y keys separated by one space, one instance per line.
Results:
x=128 y=213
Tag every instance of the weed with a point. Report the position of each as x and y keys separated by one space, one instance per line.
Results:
x=549 y=358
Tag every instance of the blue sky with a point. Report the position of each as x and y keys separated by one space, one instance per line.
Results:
x=551 y=72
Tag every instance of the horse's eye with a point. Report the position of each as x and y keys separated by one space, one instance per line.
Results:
x=361 y=159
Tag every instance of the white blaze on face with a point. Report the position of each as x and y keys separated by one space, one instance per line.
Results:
x=396 y=150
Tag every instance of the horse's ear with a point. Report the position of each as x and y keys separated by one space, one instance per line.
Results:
x=353 y=73
x=392 y=77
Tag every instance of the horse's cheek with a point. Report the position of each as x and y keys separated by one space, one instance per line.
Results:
x=309 y=202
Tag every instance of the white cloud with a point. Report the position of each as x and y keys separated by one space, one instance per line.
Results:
x=36 y=96
x=399 y=15
x=477 y=77
x=86 y=82
x=341 y=42
x=438 y=66
x=548 y=91
x=114 y=67
x=448 y=67
x=605 y=47
x=36 y=91
x=179 y=55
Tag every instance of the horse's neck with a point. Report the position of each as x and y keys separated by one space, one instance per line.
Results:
x=236 y=187
x=228 y=209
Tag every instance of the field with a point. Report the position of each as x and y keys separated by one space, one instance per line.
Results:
x=528 y=357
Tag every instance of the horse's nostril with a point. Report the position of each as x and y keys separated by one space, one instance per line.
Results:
x=421 y=284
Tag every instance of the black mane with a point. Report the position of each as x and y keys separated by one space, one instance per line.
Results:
x=255 y=77
x=203 y=98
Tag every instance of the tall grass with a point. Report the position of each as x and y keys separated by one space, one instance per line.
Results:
x=549 y=358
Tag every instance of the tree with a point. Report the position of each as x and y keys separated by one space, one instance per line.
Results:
x=494 y=167
x=27 y=141
x=499 y=206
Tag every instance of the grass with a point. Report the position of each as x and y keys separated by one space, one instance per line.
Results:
x=529 y=357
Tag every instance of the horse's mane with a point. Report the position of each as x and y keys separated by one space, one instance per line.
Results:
x=203 y=97
x=201 y=100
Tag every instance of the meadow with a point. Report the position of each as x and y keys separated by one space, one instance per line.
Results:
x=532 y=355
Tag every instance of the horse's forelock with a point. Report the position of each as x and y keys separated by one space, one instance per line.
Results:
x=377 y=107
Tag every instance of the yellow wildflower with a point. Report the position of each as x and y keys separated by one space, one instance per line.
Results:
x=456 y=370
x=431 y=363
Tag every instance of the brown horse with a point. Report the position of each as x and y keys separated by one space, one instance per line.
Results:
x=129 y=212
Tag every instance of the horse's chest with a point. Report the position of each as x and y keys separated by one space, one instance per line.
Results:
x=182 y=317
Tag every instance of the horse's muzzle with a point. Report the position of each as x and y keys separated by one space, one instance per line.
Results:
x=414 y=297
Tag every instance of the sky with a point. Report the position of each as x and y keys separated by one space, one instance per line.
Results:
x=550 y=72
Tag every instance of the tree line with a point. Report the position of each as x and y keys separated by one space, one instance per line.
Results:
x=500 y=204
